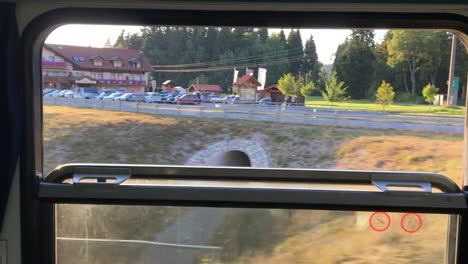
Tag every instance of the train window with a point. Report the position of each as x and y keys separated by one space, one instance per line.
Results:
x=252 y=143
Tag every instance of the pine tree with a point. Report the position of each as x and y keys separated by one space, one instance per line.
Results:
x=295 y=50
x=311 y=63
x=108 y=44
x=120 y=42
x=262 y=34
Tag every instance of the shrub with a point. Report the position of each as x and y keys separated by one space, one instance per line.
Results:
x=308 y=89
x=334 y=91
x=408 y=98
x=429 y=92
x=385 y=94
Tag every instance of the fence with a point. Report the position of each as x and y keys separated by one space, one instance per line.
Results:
x=272 y=113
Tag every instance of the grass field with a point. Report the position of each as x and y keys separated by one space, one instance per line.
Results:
x=88 y=135
x=404 y=109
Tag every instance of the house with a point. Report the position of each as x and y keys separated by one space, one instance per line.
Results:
x=66 y=67
x=204 y=88
x=246 y=87
x=274 y=93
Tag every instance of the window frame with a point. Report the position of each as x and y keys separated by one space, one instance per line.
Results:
x=37 y=214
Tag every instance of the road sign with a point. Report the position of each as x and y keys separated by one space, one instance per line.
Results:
x=456 y=83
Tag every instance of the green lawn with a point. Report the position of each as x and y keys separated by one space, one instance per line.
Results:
x=367 y=105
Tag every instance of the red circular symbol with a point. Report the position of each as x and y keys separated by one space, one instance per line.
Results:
x=379 y=221
x=411 y=222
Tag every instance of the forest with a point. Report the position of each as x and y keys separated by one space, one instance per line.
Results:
x=407 y=59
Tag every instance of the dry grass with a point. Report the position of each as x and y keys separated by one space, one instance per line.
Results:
x=402 y=153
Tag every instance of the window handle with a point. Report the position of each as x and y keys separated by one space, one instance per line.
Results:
x=99 y=179
x=386 y=186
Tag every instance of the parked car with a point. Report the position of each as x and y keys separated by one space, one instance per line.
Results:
x=87 y=92
x=112 y=97
x=123 y=97
x=188 y=99
x=136 y=98
x=266 y=101
x=207 y=98
x=234 y=100
x=69 y=94
x=51 y=93
x=153 y=97
x=59 y=93
x=217 y=99
x=48 y=91
x=227 y=99
x=169 y=99
x=105 y=93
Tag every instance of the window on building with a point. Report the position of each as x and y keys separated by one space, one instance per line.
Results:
x=97 y=62
x=100 y=76
x=78 y=58
x=131 y=77
x=137 y=77
x=112 y=76
x=51 y=59
x=118 y=63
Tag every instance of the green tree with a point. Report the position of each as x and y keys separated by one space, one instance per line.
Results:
x=262 y=34
x=311 y=63
x=306 y=85
x=288 y=85
x=354 y=62
x=429 y=92
x=405 y=47
x=108 y=44
x=200 y=79
x=381 y=69
x=335 y=91
x=295 y=51
x=276 y=45
x=385 y=94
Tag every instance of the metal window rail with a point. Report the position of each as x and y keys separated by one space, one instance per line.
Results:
x=112 y=183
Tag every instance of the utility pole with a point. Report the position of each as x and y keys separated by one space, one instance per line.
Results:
x=452 y=73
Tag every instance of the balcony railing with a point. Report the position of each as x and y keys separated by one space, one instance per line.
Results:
x=54 y=64
x=60 y=79
x=127 y=82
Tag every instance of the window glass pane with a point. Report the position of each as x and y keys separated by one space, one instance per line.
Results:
x=373 y=114
x=144 y=234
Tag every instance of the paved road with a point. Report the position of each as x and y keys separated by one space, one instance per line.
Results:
x=292 y=114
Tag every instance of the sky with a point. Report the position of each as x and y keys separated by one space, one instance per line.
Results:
x=326 y=40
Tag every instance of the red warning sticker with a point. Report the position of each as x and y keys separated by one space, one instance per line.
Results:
x=379 y=221
x=411 y=222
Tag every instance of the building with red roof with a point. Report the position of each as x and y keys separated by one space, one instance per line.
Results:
x=246 y=87
x=274 y=93
x=204 y=88
x=65 y=66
